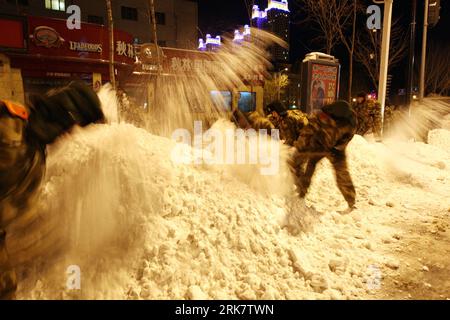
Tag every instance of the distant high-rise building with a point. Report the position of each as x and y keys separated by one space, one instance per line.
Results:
x=275 y=19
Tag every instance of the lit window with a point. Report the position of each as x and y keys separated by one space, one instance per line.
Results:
x=59 y=5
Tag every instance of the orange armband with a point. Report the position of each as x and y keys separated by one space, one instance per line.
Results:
x=16 y=109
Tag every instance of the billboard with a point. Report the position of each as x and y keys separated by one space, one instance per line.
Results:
x=320 y=84
x=50 y=37
x=12 y=37
x=323 y=85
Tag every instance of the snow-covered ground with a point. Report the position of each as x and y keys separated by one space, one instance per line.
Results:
x=141 y=227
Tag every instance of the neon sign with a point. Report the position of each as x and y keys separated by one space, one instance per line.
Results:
x=258 y=14
x=280 y=5
x=201 y=44
x=273 y=4
x=217 y=41
x=238 y=36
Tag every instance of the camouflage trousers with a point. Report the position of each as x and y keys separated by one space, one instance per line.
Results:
x=303 y=166
x=8 y=281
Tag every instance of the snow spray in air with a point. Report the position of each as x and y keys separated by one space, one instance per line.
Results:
x=104 y=183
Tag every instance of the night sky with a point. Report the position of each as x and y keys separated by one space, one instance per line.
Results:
x=221 y=16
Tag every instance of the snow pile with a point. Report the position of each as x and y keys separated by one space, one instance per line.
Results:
x=440 y=138
x=445 y=122
x=140 y=226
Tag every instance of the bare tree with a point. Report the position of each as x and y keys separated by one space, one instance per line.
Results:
x=437 y=75
x=330 y=17
x=273 y=88
x=349 y=40
x=368 y=50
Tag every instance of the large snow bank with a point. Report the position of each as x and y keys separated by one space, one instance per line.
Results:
x=140 y=226
x=440 y=138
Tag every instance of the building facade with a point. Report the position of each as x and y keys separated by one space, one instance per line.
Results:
x=39 y=53
x=177 y=20
x=275 y=19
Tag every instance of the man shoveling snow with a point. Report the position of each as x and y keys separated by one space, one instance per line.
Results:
x=25 y=131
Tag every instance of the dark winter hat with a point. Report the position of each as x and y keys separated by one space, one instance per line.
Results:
x=278 y=107
x=340 y=110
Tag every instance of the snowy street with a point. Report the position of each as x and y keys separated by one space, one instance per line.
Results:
x=145 y=228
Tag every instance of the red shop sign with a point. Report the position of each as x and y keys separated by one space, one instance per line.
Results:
x=51 y=37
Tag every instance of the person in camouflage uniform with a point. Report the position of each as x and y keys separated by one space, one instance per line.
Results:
x=389 y=119
x=368 y=114
x=251 y=120
x=326 y=135
x=289 y=122
x=25 y=131
x=314 y=137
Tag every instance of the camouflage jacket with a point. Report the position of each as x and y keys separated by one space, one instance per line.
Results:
x=24 y=137
x=257 y=122
x=290 y=125
x=21 y=165
x=324 y=134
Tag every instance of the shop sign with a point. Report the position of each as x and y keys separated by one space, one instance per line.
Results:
x=85 y=47
x=47 y=37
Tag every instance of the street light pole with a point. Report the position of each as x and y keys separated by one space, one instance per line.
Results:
x=424 y=52
x=412 y=58
x=385 y=44
x=155 y=33
x=112 y=75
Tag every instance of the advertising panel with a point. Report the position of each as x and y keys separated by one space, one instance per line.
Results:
x=324 y=80
x=12 y=35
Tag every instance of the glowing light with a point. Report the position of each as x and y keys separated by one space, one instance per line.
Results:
x=273 y=4
x=354 y=99
x=238 y=36
x=201 y=44
x=258 y=14
x=247 y=31
x=280 y=5
x=215 y=41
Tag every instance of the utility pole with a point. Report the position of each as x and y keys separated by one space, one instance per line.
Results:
x=412 y=47
x=385 y=44
x=112 y=74
x=424 y=52
x=352 y=50
x=155 y=34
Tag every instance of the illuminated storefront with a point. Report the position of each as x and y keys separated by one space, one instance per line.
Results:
x=53 y=55
x=188 y=63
